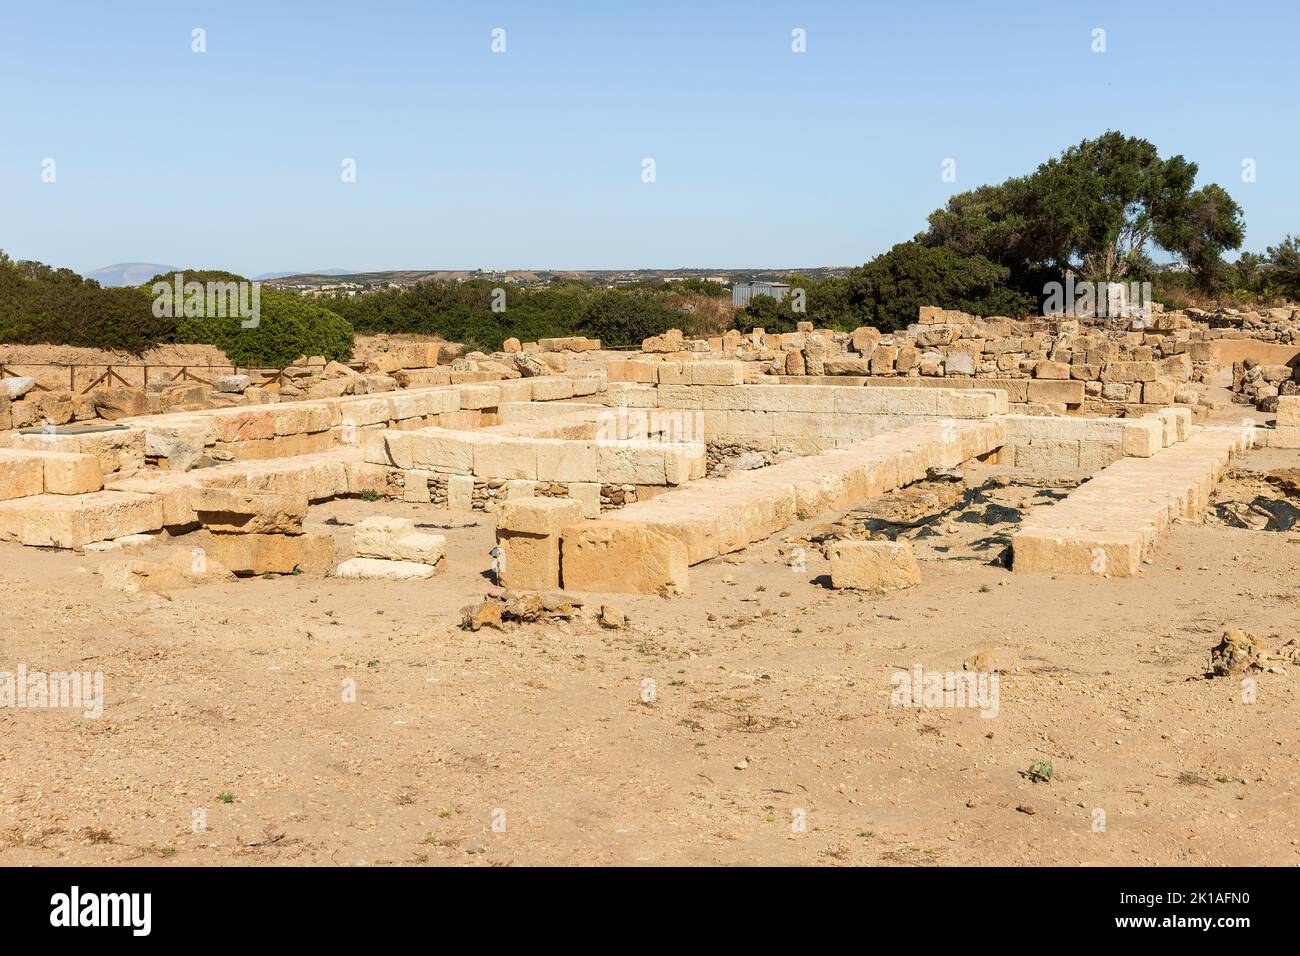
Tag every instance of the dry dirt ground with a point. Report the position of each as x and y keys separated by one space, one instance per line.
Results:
x=226 y=739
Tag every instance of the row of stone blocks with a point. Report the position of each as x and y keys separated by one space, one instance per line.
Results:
x=1109 y=525
x=824 y=401
x=647 y=547
x=150 y=501
x=1044 y=443
x=290 y=429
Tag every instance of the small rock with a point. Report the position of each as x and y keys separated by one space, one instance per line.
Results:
x=1027 y=808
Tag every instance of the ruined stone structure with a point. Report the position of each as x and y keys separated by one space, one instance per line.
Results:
x=621 y=482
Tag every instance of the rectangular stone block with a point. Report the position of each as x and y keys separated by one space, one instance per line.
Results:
x=630 y=463
x=21 y=474
x=874 y=565
x=1077 y=551
x=505 y=458
x=608 y=556
x=560 y=460
x=1288 y=410
x=73 y=521
x=447 y=452
x=716 y=373
x=460 y=493
x=269 y=553
x=1142 y=437
x=552 y=389
x=239 y=511
x=1054 y=392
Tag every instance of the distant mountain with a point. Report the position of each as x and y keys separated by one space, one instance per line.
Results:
x=128 y=273
x=314 y=272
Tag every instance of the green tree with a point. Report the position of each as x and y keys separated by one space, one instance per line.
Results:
x=1099 y=209
x=1283 y=274
x=889 y=290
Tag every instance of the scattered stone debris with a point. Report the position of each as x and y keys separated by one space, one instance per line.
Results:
x=1238 y=652
x=1257 y=501
x=505 y=607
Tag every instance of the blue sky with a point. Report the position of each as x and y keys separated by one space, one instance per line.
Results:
x=532 y=158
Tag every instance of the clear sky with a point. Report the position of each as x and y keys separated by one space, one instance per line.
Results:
x=533 y=158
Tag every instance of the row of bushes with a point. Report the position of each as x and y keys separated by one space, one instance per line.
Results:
x=40 y=305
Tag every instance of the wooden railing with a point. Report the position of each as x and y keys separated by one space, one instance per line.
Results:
x=113 y=373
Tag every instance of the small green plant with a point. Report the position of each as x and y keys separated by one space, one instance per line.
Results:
x=225 y=796
x=369 y=494
x=373 y=662
x=1040 y=771
x=984 y=589
x=168 y=851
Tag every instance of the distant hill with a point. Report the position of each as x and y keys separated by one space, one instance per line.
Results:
x=127 y=273
x=266 y=276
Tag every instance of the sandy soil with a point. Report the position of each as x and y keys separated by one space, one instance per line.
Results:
x=770 y=706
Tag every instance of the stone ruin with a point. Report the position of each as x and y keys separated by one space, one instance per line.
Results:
x=609 y=482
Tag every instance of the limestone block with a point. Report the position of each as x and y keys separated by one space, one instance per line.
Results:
x=587 y=494
x=1288 y=410
x=552 y=389
x=71 y=473
x=1142 y=437
x=716 y=373
x=1077 y=551
x=22 y=474
x=447 y=452
x=1043 y=454
x=396 y=539
x=561 y=460
x=1159 y=392
x=238 y=511
x=270 y=553
x=874 y=565
x=1059 y=392
x=505 y=458
x=460 y=493
x=416 y=487
x=631 y=463
x=631 y=370
x=479 y=396
x=73 y=521
x=1051 y=370
x=610 y=556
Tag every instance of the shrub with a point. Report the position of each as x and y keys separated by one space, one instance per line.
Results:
x=889 y=290
x=289 y=326
x=41 y=305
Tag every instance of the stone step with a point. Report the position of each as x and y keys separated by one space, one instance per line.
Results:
x=661 y=537
x=1109 y=525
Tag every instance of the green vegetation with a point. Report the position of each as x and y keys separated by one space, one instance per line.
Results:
x=288 y=326
x=1101 y=210
x=39 y=304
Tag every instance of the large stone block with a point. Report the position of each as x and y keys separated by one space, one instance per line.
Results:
x=73 y=521
x=71 y=473
x=1054 y=392
x=560 y=460
x=874 y=565
x=377 y=569
x=269 y=553
x=631 y=463
x=1077 y=551
x=447 y=452
x=1288 y=410
x=396 y=539
x=624 y=558
x=539 y=516
x=505 y=458
x=21 y=474
x=238 y=511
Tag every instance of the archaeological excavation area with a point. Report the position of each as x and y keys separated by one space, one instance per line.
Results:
x=655 y=607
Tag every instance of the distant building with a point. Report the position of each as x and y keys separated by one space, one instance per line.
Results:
x=742 y=292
